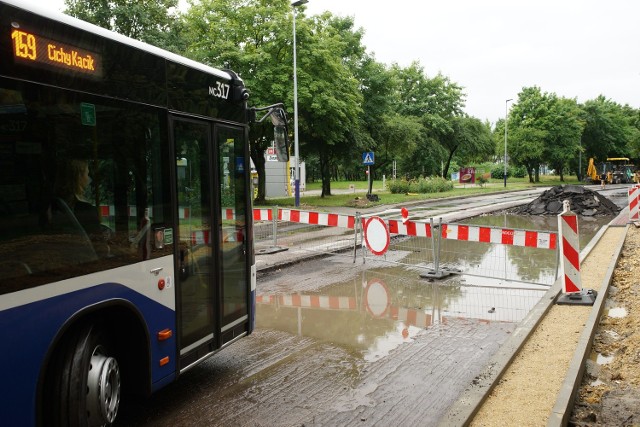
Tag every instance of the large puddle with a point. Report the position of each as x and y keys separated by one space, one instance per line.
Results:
x=384 y=307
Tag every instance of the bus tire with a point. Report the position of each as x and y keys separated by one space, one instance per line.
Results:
x=86 y=381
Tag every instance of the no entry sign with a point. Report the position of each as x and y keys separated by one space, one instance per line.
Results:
x=376 y=235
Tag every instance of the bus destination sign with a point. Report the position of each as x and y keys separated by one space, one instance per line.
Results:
x=35 y=49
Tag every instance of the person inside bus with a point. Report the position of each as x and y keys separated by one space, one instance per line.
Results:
x=72 y=180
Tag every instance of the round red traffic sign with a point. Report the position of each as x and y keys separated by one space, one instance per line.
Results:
x=376 y=235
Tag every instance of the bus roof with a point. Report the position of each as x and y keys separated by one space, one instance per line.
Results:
x=38 y=9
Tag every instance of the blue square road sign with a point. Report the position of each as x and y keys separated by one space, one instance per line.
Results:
x=368 y=158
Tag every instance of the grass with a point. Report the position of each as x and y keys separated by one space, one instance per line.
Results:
x=358 y=198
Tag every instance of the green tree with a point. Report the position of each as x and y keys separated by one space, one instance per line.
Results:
x=153 y=21
x=434 y=103
x=564 y=129
x=469 y=140
x=633 y=118
x=329 y=96
x=544 y=129
x=608 y=130
x=526 y=133
x=254 y=39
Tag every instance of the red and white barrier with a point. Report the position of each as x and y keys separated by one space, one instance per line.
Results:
x=409 y=228
x=634 y=192
x=569 y=250
x=503 y=236
x=201 y=237
x=228 y=213
x=316 y=218
x=263 y=215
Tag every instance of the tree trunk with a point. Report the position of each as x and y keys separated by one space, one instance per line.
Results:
x=325 y=173
x=445 y=171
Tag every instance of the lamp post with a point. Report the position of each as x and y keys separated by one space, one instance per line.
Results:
x=296 y=152
x=506 y=122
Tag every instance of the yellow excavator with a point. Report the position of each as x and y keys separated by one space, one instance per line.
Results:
x=616 y=170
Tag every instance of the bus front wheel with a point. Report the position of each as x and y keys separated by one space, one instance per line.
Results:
x=87 y=381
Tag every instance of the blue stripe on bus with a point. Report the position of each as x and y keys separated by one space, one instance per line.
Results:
x=27 y=331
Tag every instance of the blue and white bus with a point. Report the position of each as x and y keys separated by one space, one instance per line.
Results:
x=126 y=252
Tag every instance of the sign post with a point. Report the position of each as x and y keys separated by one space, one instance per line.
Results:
x=368 y=159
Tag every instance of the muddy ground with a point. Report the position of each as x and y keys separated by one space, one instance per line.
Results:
x=610 y=391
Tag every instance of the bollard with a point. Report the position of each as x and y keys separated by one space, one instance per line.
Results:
x=572 y=292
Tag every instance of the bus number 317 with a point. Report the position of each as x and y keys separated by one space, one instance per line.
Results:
x=221 y=90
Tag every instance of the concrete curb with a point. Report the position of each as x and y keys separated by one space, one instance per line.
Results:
x=564 y=404
x=462 y=412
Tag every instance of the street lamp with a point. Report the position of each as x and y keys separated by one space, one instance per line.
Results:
x=296 y=152
x=506 y=121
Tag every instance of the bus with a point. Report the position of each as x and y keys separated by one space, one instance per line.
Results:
x=126 y=248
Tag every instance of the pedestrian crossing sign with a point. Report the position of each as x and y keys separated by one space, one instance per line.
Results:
x=368 y=158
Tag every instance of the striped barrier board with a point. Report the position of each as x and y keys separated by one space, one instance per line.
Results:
x=503 y=236
x=570 y=251
x=634 y=192
x=228 y=213
x=263 y=215
x=409 y=228
x=316 y=218
x=200 y=237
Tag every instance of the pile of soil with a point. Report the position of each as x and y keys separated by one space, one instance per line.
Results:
x=583 y=202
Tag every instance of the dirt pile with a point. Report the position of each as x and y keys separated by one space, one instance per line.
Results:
x=583 y=202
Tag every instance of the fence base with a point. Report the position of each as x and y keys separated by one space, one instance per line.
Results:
x=584 y=297
x=439 y=274
x=271 y=250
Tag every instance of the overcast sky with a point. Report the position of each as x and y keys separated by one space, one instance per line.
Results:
x=493 y=48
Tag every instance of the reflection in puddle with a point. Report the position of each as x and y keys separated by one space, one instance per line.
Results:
x=617 y=312
x=385 y=308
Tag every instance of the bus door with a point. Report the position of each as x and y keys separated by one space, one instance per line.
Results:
x=212 y=279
